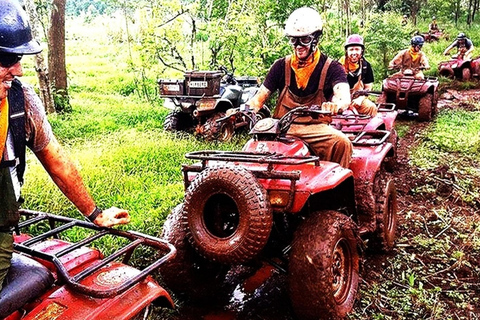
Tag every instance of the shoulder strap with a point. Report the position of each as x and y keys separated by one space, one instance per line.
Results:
x=16 y=101
x=323 y=75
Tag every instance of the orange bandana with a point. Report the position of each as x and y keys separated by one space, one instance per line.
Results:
x=3 y=125
x=415 y=55
x=348 y=66
x=304 y=69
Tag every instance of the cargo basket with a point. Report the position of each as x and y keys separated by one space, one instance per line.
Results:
x=171 y=87
x=202 y=83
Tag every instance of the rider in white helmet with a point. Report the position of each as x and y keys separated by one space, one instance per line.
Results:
x=309 y=77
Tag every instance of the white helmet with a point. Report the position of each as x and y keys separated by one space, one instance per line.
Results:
x=303 y=22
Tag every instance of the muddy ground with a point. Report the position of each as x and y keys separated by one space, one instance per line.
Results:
x=431 y=282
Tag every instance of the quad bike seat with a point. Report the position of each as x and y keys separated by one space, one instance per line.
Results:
x=26 y=280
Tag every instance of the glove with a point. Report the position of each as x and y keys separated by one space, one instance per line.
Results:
x=332 y=107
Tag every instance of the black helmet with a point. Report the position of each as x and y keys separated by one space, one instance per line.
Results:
x=417 y=41
x=461 y=36
x=15 y=33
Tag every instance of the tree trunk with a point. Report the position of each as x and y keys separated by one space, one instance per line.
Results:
x=56 y=55
x=40 y=67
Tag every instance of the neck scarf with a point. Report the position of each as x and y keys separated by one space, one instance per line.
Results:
x=349 y=66
x=3 y=125
x=415 y=55
x=304 y=69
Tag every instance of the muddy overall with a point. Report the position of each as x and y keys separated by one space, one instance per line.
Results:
x=327 y=142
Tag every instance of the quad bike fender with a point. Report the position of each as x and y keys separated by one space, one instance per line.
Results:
x=65 y=304
x=223 y=105
x=386 y=118
x=366 y=163
x=366 y=160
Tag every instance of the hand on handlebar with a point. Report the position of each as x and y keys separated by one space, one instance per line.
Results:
x=331 y=107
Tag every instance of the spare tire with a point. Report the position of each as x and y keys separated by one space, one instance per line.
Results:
x=227 y=214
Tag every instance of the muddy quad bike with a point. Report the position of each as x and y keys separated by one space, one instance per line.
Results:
x=51 y=278
x=413 y=96
x=205 y=96
x=460 y=69
x=275 y=202
x=433 y=36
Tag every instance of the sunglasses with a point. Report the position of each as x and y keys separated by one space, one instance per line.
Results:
x=8 y=60
x=303 y=41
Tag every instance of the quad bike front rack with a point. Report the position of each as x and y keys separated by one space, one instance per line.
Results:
x=136 y=239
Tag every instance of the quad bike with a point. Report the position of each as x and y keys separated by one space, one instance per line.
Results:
x=458 y=68
x=204 y=97
x=414 y=96
x=433 y=36
x=275 y=202
x=51 y=278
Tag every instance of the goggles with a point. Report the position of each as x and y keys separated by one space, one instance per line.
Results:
x=303 y=41
x=8 y=60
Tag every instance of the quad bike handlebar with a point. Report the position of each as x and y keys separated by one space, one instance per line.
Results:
x=136 y=239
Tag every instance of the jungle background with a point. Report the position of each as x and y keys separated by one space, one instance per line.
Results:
x=112 y=125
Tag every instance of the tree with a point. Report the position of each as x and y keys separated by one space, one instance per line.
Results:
x=42 y=70
x=56 y=56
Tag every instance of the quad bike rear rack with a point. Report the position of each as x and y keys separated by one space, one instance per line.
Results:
x=136 y=239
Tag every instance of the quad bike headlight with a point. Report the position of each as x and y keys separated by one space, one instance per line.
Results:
x=279 y=198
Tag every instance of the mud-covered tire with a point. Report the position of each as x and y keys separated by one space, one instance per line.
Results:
x=383 y=239
x=213 y=130
x=466 y=74
x=227 y=214
x=391 y=162
x=188 y=274
x=178 y=121
x=324 y=266
x=426 y=107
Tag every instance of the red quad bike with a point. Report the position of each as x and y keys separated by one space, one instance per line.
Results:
x=415 y=97
x=457 y=68
x=275 y=203
x=52 y=278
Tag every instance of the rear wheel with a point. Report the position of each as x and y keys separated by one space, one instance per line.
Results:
x=189 y=274
x=385 y=194
x=425 y=107
x=178 y=121
x=466 y=74
x=228 y=215
x=324 y=266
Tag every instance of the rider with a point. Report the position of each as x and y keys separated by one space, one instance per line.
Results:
x=433 y=26
x=464 y=47
x=309 y=77
x=411 y=59
x=359 y=74
x=23 y=123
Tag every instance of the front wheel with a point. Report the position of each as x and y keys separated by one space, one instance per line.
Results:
x=466 y=74
x=426 y=107
x=188 y=274
x=324 y=266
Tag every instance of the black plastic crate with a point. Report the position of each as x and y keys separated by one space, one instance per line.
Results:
x=202 y=83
